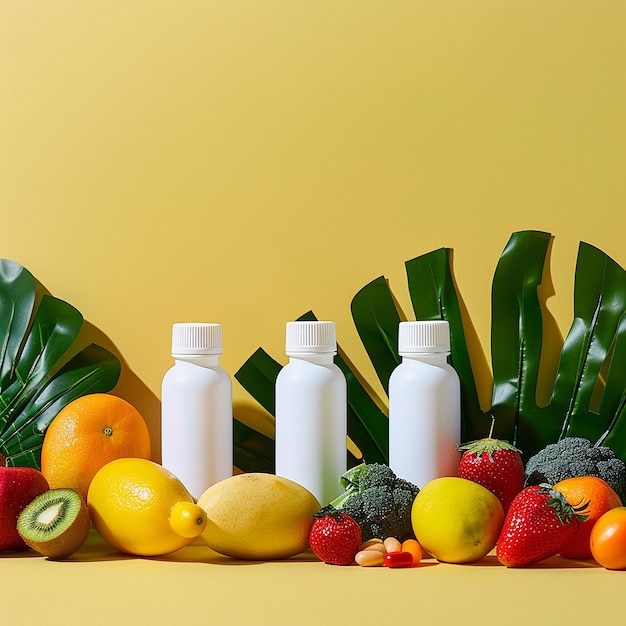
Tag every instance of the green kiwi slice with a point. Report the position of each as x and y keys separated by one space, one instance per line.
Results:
x=56 y=523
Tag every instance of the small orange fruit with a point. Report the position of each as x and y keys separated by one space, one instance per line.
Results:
x=608 y=539
x=599 y=498
x=88 y=433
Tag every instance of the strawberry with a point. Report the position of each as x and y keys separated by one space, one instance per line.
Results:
x=538 y=525
x=334 y=537
x=494 y=464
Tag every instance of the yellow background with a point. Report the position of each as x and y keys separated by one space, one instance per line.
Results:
x=243 y=161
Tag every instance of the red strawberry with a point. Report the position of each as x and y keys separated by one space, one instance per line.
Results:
x=494 y=464
x=540 y=522
x=334 y=537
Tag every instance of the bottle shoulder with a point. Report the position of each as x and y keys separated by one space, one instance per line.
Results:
x=303 y=367
x=303 y=373
x=416 y=369
x=186 y=373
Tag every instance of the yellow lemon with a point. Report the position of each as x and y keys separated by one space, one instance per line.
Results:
x=456 y=520
x=141 y=508
x=258 y=516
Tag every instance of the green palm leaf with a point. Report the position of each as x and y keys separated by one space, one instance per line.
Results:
x=596 y=339
x=38 y=376
x=613 y=406
x=367 y=424
x=17 y=299
x=253 y=451
x=589 y=391
x=434 y=296
x=376 y=319
x=516 y=340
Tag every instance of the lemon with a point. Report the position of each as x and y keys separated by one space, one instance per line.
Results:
x=141 y=508
x=456 y=520
x=258 y=516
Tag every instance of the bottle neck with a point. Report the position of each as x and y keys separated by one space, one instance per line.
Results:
x=200 y=360
x=321 y=358
x=427 y=357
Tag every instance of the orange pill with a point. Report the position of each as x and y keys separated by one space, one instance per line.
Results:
x=413 y=547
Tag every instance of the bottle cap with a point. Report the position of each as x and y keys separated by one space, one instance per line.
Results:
x=191 y=339
x=311 y=337
x=423 y=337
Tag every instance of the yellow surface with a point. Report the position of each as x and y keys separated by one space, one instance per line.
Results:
x=101 y=587
x=246 y=161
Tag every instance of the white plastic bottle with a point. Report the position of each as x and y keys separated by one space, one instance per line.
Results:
x=311 y=411
x=196 y=409
x=424 y=405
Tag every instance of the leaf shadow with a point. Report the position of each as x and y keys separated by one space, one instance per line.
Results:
x=476 y=351
x=132 y=388
x=129 y=386
x=552 y=338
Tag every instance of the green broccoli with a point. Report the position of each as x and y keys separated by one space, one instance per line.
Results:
x=575 y=456
x=378 y=500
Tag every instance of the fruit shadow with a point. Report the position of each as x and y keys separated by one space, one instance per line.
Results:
x=555 y=562
x=558 y=562
x=96 y=550
x=204 y=554
x=20 y=554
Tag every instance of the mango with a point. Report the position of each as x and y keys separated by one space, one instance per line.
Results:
x=258 y=517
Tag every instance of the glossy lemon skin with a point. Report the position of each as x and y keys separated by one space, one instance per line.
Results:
x=134 y=505
x=456 y=520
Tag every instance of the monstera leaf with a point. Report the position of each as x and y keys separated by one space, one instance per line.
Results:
x=587 y=397
x=38 y=373
x=367 y=423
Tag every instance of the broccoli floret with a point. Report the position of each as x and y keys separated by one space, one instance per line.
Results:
x=378 y=500
x=575 y=456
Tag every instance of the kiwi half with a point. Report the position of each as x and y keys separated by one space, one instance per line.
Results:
x=56 y=523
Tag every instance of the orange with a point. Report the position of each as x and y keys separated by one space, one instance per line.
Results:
x=608 y=539
x=88 y=433
x=599 y=498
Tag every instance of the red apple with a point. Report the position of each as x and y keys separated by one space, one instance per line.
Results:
x=19 y=486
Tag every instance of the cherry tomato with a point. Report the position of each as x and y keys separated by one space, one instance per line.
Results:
x=608 y=539
x=398 y=559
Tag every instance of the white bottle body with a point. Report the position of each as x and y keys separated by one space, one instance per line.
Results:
x=424 y=419
x=197 y=422
x=311 y=424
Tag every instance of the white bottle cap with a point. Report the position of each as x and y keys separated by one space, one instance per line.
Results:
x=196 y=339
x=423 y=337
x=311 y=337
